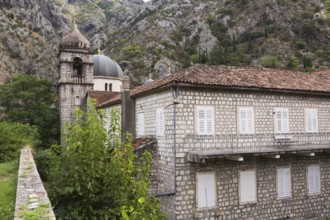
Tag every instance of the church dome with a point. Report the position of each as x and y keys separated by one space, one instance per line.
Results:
x=74 y=40
x=104 y=66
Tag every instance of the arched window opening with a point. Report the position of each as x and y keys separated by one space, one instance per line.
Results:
x=77 y=101
x=110 y=87
x=106 y=87
x=77 y=67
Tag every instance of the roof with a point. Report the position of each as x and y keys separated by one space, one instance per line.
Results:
x=240 y=77
x=74 y=40
x=243 y=77
x=103 y=96
x=104 y=66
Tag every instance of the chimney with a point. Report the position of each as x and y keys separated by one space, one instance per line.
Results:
x=127 y=110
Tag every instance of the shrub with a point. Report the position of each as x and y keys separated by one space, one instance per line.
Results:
x=13 y=136
x=269 y=61
x=95 y=175
x=293 y=62
x=42 y=159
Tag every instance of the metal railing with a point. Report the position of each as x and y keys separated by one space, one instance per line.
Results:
x=233 y=143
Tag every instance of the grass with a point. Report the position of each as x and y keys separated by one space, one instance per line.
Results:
x=8 y=182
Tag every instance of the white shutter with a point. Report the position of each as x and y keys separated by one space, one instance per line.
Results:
x=206 y=196
x=209 y=121
x=140 y=122
x=283 y=182
x=281 y=121
x=248 y=186
x=204 y=120
x=246 y=121
x=314 y=183
x=160 y=122
x=285 y=121
x=311 y=120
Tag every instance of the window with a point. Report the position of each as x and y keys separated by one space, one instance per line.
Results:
x=248 y=186
x=140 y=123
x=314 y=181
x=77 y=101
x=204 y=120
x=110 y=87
x=106 y=87
x=77 y=67
x=206 y=194
x=160 y=122
x=246 y=120
x=311 y=124
x=283 y=182
x=281 y=121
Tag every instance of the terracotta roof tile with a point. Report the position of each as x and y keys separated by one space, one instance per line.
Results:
x=102 y=96
x=245 y=77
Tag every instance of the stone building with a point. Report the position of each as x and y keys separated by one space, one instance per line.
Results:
x=232 y=143
x=238 y=143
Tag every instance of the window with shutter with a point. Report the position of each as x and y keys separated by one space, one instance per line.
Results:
x=248 y=186
x=314 y=181
x=206 y=193
x=281 y=121
x=140 y=124
x=246 y=120
x=311 y=120
x=160 y=122
x=205 y=120
x=283 y=182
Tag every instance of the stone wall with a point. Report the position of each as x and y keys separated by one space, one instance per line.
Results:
x=166 y=164
x=71 y=88
x=268 y=206
x=31 y=194
x=226 y=136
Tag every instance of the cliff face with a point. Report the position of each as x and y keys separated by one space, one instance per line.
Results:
x=30 y=30
x=151 y=37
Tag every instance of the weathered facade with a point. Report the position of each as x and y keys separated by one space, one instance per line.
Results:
x=239 y=143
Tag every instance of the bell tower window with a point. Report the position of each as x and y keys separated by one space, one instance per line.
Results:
x=106 y=87
x=110 y=86
x=77 y=67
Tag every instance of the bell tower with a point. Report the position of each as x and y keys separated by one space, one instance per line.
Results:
x=75 y=74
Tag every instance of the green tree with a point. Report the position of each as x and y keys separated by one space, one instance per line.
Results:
x=293 y=62
x=28 y=100
x=13 y=136
x=96 y=175
x=269 y=61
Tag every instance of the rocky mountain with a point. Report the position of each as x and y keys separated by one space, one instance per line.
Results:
x=166 y=35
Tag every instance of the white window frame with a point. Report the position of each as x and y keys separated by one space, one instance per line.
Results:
x=311 y=117
x=248 y=129
x=160 y=122
x=315 y=186
x=281 y=181
x=210 y=195
x=198 y=120
x=282 y=134
x=140 y=124
x=247 y=187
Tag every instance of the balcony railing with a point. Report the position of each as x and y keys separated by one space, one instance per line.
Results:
x=257 y=143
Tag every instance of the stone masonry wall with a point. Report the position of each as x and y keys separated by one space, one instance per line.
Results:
x=268 y=206
x=31 y=194
x=70 y=87
x=226 y=104
x=148 y=105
